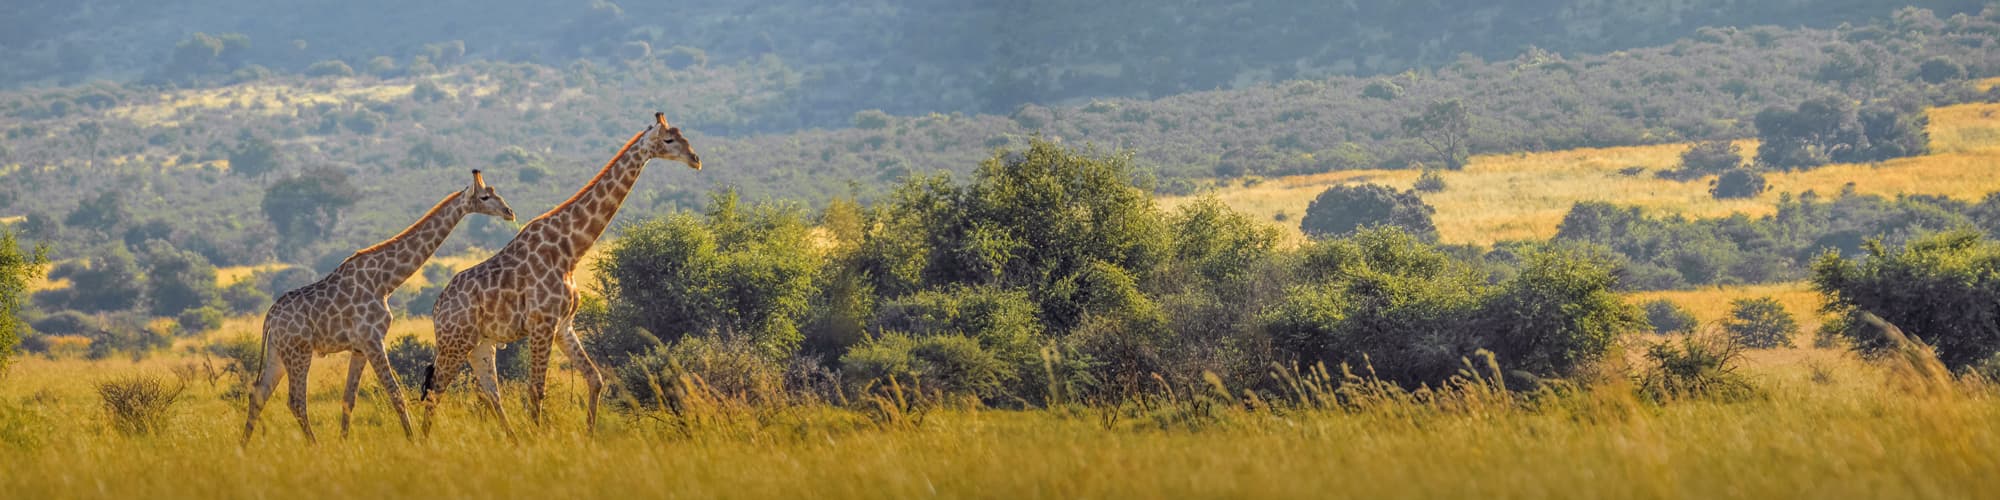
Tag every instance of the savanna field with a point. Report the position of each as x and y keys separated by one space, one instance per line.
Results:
x=1814 y=422
x=1589 y=249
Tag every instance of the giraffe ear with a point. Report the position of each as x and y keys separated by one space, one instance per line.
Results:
x=478 y=181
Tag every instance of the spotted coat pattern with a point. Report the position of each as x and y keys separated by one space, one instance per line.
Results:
x=348 y=310
x=527 y=289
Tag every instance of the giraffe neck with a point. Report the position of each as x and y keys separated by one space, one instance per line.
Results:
x=388 y=264
x=568 y=231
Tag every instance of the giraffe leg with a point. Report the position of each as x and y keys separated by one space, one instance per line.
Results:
x=298 y=365
x=259 y=394
x=378 y=358
x=484 y=370
x=450 y=356
x=573 y=347
x=354 y=365
x=538 y=371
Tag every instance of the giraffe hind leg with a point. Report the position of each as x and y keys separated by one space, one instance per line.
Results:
x=298 y=365
x=450 y=356
x=485 y=371
x=355 y=362
x=573 y=347
x=267 y=383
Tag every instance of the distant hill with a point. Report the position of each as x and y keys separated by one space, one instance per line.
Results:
x=901 y=56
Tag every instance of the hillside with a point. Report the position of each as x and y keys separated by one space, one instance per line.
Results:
x=1524 y=196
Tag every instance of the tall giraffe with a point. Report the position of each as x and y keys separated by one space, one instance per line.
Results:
x=348 y=310
x=526 y=290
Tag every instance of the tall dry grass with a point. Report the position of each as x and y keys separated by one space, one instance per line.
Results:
x=1525 y=195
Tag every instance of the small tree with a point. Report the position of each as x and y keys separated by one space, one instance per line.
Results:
x=1760 y=323
x=16 y=270
x=254 y=157
x=1711 y=158
x=177 y=280
x=1739 y=183
x=1343 y=209
x=1669 y=318
x=304 y=208
x=1446 y=128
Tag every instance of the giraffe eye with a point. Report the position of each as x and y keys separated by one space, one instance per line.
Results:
x=484 y=197
x=670 y=141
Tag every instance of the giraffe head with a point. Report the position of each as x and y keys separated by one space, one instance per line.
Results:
x=484 y=200
x=665 y=142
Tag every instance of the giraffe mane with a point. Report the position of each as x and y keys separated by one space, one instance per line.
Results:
x=406 y=231
x=588 y=186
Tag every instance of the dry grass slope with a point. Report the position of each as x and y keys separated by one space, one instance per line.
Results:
x=1524 y=196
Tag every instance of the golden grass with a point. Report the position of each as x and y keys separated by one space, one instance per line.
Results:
x=1711 y=304
x=1832 y=426
x=277 y=98
x=1525 y=196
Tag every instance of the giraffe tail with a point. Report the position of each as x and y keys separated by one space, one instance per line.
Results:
x=425 y=395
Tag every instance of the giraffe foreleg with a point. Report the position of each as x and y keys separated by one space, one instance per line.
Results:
x=539 y=341
x=378 y=358
x=355 y=362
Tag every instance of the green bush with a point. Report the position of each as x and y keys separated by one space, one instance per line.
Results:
x=945 y=365
x=1694 y=367
x=1559 y=312
x=199 y=320
x=1342 y=210
x=17 y=269
x=1711 y=158
x=1760 y=323
x=1738 y=183
x=243 y=297
x=1430 y=181
x=408 y=357
x=1669 y=318
x=1939 y=288
x=734 y=370
x=330 y=67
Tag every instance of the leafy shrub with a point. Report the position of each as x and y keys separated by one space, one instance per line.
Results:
x=1760 y=323
x=330 y=67
x=138 y=405
x=16 y=270
x=873 y=119
x=1558 y=313
x=945 y=365
x=1669 y=318
x=408 y=355
x=1342 y=210
x=732 y=370
x=1711 y=158
x=200 y=320
x=1429 y=182
x=243 y=297
x=65 y=323
x=1001 y=323
x=1938 y=288
x=1738 y=183
x=1382 y=89
x=1694 y=367
x=177 y=280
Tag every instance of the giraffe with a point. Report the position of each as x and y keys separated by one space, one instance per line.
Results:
x=526 y=290
x=348 y=310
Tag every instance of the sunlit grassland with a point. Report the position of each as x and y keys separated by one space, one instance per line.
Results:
x=1712 y=304
x=1525 y=195
x=278 y=98
x=1829 y=426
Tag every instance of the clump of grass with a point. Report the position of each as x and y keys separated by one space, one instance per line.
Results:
x=1701 y=366
x=138 y=405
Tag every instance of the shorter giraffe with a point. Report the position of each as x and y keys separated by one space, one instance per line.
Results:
x=348 y=310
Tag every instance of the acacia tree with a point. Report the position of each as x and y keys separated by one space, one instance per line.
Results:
x=1446 y=128
x=304 y=208
x=254 y=157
